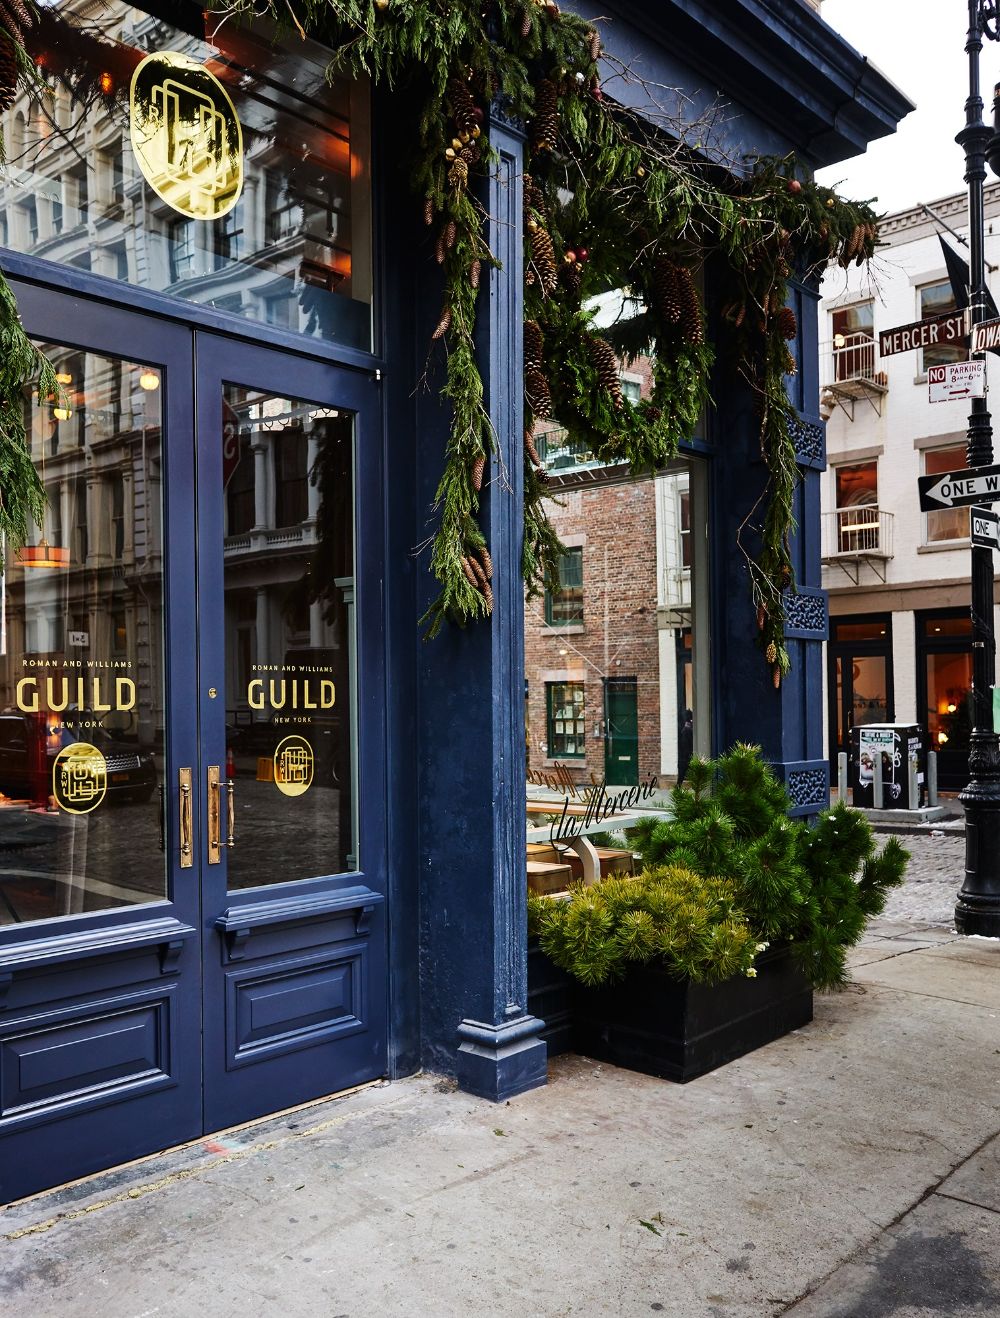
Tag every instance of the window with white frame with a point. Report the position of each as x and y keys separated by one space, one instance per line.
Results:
x=936 y=300
x=853 y=341
x=946 y=523
x=858 y=521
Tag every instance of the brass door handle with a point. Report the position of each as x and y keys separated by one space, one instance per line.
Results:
x=214 y=816
x=230 y=813
x=184 y=795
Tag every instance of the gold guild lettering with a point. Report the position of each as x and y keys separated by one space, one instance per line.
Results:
x=291 y=693
x=58 y=691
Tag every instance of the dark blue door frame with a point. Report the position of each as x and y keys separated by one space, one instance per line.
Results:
x=112 y=992
x=80 y=974
x=262 y=942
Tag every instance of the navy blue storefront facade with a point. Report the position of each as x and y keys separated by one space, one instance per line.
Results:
x=261 y=841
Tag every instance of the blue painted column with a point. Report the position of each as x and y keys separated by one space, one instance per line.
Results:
x=787 y=723
x=471 y=725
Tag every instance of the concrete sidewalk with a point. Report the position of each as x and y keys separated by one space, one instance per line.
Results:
x=849 y=1170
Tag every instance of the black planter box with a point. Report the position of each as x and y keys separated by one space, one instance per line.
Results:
x=677 y=1030
x=550 y=999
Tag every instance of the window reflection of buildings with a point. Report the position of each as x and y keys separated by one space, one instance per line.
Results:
x=99 y=458
x=73 y=194
x=272 y=532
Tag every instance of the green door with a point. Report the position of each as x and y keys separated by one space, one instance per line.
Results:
x=621 y=732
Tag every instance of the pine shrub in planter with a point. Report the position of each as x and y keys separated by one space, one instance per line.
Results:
x=739 y=913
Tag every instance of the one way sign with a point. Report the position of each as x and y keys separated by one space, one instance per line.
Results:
x=985 y=527
x=960 y=489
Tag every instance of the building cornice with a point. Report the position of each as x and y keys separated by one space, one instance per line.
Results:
x=777 y=58
x=914 y=223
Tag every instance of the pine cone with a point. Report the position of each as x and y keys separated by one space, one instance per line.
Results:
x=537 y=394
x=608 y=371
x=470 y=576
x=478 y=467
x=761 y=617
x=666 y=295
x=526 y=21
x=450 y=234
x=12 y=21
x=487 y=596
x=771 y=653
x=487 y=562
x=776 y=676
x=463 y=107
x=787 y=323
x=545 y=127
x=572 y=277
x=471 y=154
x=458 y=175
x=23 y=16
x=428 y=210
x=534 y=346
x=443 y=325
x=8 y=72
x=475 y=271
x=534 y=197
x=594 y=44
x=440 y=251
x=544 y=255
x=529 y=448
x=690 y=318
x=477 y=568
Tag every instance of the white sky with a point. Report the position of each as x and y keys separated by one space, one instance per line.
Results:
x=921 y=48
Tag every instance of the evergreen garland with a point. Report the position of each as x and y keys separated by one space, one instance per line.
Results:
x=22 y=496
x=611 y=203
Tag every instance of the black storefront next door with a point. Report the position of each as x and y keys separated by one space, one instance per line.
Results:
x=859 y=679
x=944 y=691
x=192 y=919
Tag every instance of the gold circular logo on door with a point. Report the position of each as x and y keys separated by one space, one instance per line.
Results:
x=186 y=135
x=79 y=778
x=293 y=766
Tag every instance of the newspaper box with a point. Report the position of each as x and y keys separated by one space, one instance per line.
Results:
x=896 y=744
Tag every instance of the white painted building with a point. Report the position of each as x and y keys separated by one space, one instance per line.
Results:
x=900 y=643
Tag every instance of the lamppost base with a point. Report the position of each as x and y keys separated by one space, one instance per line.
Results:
x=977 y=910
x=975 y=920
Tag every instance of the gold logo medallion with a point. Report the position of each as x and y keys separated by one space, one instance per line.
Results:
x=186 y=135
x=293 y=766
x=79 y=778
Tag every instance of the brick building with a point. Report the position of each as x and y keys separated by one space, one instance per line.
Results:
x=592 y=650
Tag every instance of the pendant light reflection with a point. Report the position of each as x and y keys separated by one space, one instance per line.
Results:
x=149 y=380
x=43 y=555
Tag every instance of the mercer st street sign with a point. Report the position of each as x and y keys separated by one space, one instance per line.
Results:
x=960 y=489
x=950 y=328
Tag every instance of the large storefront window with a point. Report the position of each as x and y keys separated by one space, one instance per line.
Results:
x=617 y=661
x=81 y=652
x=208 y=163
x=945 y=645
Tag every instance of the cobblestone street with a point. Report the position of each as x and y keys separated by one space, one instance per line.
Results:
x=933 y=878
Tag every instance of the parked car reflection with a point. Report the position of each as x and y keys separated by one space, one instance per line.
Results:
x=29 y=746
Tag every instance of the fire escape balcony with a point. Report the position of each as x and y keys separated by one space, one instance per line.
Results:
x=849 y=374
x=852 y=536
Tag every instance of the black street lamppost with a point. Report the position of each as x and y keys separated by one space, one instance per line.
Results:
x=978 y=907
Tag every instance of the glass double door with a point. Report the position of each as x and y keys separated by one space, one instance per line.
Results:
x=192 y=924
